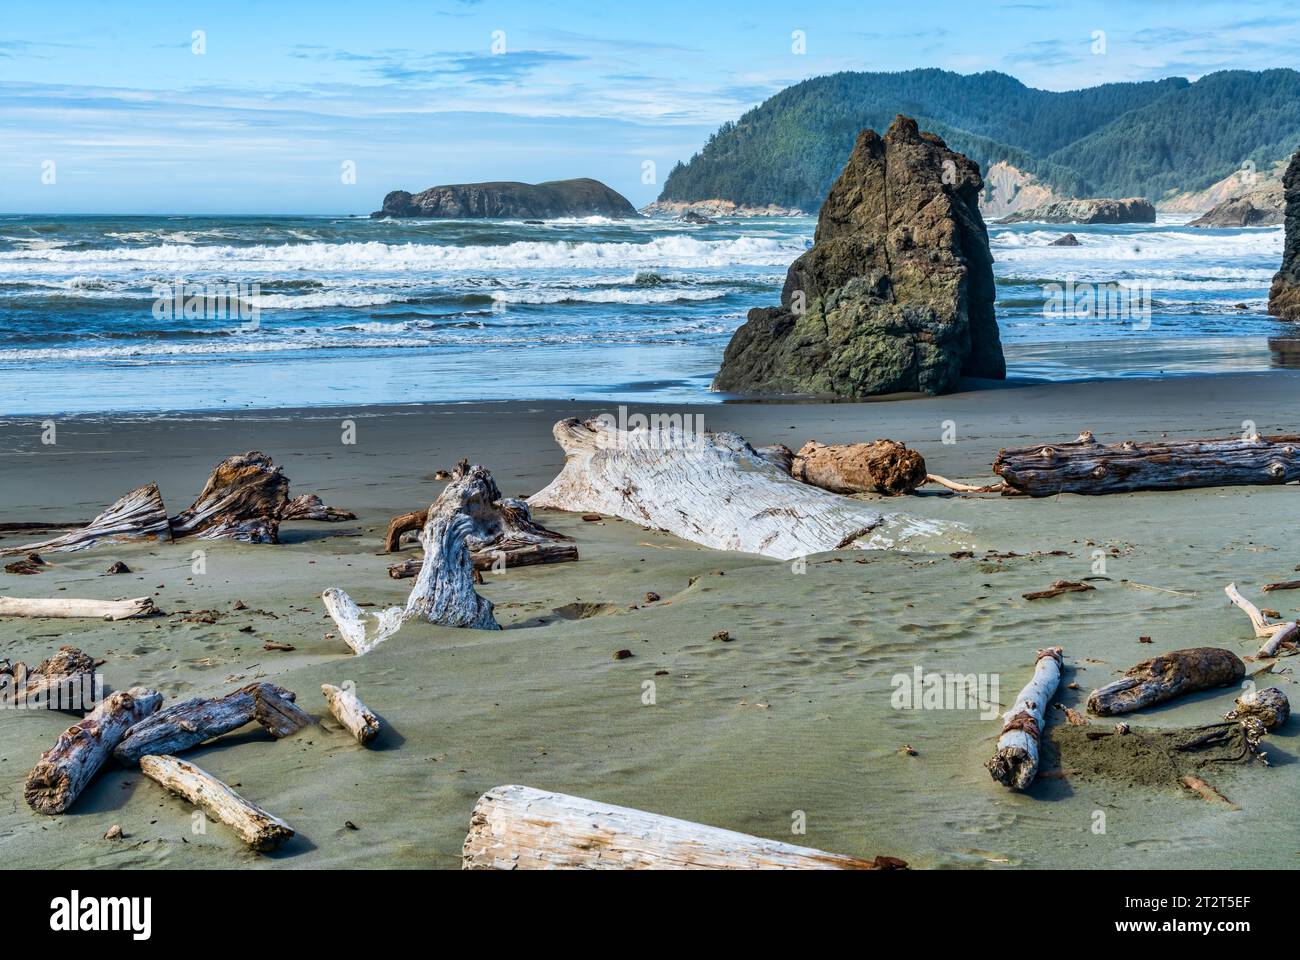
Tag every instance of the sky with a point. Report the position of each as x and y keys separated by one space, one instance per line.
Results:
x=323 y=107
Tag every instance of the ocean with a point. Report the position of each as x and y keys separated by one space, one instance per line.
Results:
x=352 y=311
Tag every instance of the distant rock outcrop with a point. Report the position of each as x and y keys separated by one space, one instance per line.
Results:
x=1258 y=208
x=1008 y=190
x=556 y=198
x=680 y=209
x=896 y=294
x=1128 y=210
x=1284 y=297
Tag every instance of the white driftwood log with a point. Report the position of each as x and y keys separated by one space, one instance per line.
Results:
x=257 y=828
x=444 y=588
x=140 y=513
x=69 y=607
x=520 y=828
x=1015 y=764
x=1273 y=634
x=713 y=489
x=187 y=724
x=351 y=712
x=64 y=770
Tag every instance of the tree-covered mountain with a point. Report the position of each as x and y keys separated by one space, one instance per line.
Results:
x=1146 y=139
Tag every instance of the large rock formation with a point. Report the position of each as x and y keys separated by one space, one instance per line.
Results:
x=896 y=293
x=1284 y=297
x=1258 y=208
x=557 y=198
x=1128 y=210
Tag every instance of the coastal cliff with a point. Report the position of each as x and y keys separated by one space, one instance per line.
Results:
x=556 y=198
x=1128 y=210
x=896 y=294
x=1284 y=296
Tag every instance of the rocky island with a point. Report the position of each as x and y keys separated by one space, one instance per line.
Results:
x=1258 y=208
x=896 y=294
x=1128 y=210
x=582 y=197
x=1284 y=296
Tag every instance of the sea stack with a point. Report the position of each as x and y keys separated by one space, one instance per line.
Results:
x=1284 y=297
x=583 y=197
x=896 y=294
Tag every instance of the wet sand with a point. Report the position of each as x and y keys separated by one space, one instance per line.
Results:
x=793 y=715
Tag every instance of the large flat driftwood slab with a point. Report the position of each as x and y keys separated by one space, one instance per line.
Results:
x=348 y=710
x=187 y=724
x=1088 y=467
x=1165 y=677
x=1015 y=762
x=257 y=828
x=136 y=515
x=64 y=770
x=70 y=607
x=520 y=828
x=713 y=489
x=885 y=466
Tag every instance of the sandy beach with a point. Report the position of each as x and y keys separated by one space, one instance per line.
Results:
x=794 y=714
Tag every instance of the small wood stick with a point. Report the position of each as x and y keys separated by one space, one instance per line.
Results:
x=257 y=828
x=351 y=712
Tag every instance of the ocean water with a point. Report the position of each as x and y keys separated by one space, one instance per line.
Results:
x=352 y=311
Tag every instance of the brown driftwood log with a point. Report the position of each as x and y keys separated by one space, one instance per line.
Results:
x=520 y=828
x=1015 y=761
x=1165 y=677
x=1270 y=707
x=72 y=607
x=64 y=681
x=1057 y=588
x=136 y=515
x=1088 y=467
x=356 y=717
x=186 y=725
x=65 y=769
x=28 y=565
x=257 y=828
x=1281 y=585
x=884 y=466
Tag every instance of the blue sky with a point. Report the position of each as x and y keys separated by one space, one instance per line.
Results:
x=413 y=93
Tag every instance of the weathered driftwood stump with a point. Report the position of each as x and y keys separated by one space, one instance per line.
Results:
x=56 y=682
x=713 y=489
x=1015 y=764
x=348 y=710
x=1165 y=677
x=257 y=828
x=64 y=770
x=1088 y=467
x=309 y=506
x=186 y=725
x=519 y=828
x=70 y=607
x=443 y=592
x=1270 y=707
x=136 y=515
x=884 y=466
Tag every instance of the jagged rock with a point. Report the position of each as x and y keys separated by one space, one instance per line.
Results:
x=1258 y=208
x=690 y=216
x=1128 y=210
x=1069 y=240
x=1284 y=297
x=716 y=208
x=897 y=291
x=556 y=198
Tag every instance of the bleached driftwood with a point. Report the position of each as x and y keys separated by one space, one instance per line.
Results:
x=185 y=725
x=1088 y=467
x=60 y=682
x=1165 y=677
x=1015 y=763
x=68 y=607
x=138 y=514
x=443 y=592
x=712 y=489
x=1273 y=634
x=884 y=466
x=257 y=828
x=355 y=716
x=520 y=828
x=309 y=506
x=1270 y=707
x=64 y=770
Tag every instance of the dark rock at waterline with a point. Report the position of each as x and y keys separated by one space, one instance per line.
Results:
x=556 y=198
x=1128 y=210
x=690 y=216
x=897 y=291
x=1284 y=296
x=1069 y=240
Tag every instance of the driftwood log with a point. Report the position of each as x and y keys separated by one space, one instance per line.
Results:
x=64 y=770
x=520 y=828
x=443 y=592
x=1088 y=467
x=70 y=607
x=348 y=710
x=1273 y=634
x=136 y=515
x=1165 y=677
x=712 y=489
x=257 y=828
x=884 y=466
x=1270 y=707
x=58 y=682
x=186 y=725
x=1015 y=763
